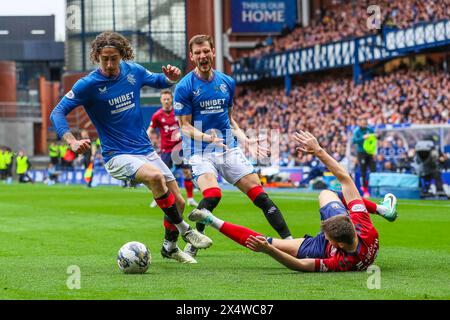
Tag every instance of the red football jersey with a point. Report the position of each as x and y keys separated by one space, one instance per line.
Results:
x=366 y=252
x=169 y=129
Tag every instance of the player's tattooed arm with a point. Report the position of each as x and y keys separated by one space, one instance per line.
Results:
x=77 y=146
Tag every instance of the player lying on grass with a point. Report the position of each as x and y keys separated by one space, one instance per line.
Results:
x=348 y=241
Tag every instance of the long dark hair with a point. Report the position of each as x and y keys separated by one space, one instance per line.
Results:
x=112 y=39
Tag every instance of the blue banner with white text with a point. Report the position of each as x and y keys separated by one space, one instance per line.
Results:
x=263 y=16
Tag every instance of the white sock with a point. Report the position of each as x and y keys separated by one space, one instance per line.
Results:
x=288 y=238
x=169 y=245
x=217 y=223
x=182 y=227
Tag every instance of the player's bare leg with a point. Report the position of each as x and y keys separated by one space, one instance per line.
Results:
x=251 y=186
x=290 y=246
x=327 y=196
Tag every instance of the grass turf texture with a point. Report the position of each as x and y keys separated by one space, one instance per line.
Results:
x=44 y=230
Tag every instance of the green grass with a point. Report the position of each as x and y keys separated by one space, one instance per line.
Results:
x=44 y=230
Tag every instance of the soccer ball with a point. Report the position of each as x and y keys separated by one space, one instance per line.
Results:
x=134 y=257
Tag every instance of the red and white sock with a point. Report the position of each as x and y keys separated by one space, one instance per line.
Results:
x=237 y=233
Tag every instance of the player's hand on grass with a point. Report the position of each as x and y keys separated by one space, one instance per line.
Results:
x=258 y=244
x=171 y=72
x=80 y=146
x=308 y=143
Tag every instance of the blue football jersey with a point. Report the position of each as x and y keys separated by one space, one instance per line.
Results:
x=209 y=103
x=113 y=107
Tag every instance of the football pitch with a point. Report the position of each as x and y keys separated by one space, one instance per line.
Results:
x=49 y=233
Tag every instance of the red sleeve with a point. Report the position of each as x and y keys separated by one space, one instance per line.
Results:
x=359 y=214
x=154 y=121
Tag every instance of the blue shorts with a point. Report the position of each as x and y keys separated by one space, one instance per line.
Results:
x=314 y=247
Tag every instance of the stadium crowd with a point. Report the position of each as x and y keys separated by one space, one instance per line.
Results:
x=331 y=107
x=350 y=20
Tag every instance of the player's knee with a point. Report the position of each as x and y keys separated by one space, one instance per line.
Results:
x=326 y=196
x=155 y=177
x=323 y=194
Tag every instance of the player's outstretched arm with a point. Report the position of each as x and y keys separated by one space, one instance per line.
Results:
x=308 y=143
x=260 y=244
x=254 y=146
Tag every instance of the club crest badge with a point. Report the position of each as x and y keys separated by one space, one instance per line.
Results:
x=131 y=79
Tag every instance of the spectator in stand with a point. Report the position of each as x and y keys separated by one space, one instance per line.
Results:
x=404 y=163
x=402 y=96
x=317 y=169
x=366 y=160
